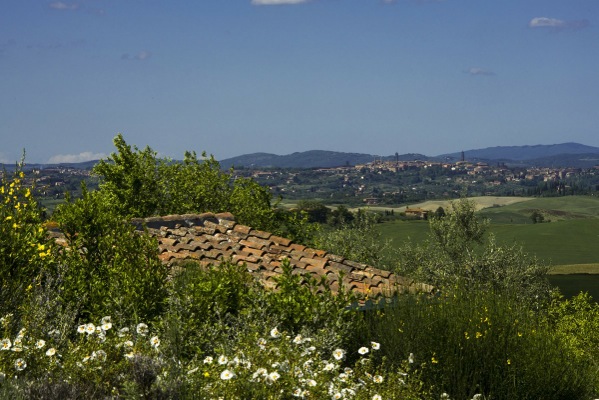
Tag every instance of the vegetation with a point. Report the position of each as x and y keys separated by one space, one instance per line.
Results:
x=104 y=319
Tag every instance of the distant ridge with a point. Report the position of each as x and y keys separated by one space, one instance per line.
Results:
x=306 y=159
x=553 y=155
x=523 y=153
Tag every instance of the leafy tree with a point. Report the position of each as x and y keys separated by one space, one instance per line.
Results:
x=138 y=184
x=459 y=253
x=111 y=268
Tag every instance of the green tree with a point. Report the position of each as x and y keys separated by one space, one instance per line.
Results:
x=110 y=268
x=460 y=253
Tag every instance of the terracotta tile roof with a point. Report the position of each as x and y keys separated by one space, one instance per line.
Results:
x=210 y=239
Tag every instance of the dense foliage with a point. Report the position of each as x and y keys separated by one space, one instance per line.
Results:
x=103 y=318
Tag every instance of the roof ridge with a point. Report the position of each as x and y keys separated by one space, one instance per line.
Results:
x=210 y=238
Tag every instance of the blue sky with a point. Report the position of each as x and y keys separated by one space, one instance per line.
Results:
x=233 y=77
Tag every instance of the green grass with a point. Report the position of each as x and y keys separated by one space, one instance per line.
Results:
x=571 y=238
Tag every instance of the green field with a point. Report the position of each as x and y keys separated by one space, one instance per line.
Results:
x=572 y=236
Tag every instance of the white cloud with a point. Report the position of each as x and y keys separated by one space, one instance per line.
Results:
x=76 y=158
x=479 y=71
x=557 y=24
x=277 y=2
x=60 y=5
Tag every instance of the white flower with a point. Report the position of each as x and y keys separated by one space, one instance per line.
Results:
x=339 y=354
x=273 y=376
x=337 y=396
x=226 y=375
x=411 y=358
x=123 y=332
x=90 y=328
x=106 y=326
x=130 y=355
x=106 y=320
x=222 y=360
x=5 y=344
x=208 y=360
x=100 y=355
x=329 y=367
x=377 y=379
x=310 y=382
x=363 y=350
x=274 y=333
x=155 y=342
x=2 y=377
x=142 y=329
x=128 y=343
x=444 y=396
x=81 y=328
x=298 y=339
x=377 y=397
x=193 y=371
x=260 y=372
x=51 y=351
x=477 y=397
x=375 y=345
x=20 y=364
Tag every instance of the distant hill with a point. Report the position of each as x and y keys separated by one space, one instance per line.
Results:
x=306 y=159
x=554 y=155
x=553 y=152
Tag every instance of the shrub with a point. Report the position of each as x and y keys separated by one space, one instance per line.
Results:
x=110 y=268
x=477 y=342
x=26 y=252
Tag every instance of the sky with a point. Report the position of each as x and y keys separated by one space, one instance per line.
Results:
x=233 y=77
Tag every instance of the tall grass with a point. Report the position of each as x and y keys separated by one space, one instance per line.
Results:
x=477 y=342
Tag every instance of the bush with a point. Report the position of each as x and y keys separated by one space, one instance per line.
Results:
x=110 y=269
x=478 y=342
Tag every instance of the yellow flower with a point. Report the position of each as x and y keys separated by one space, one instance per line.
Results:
x=434 y=360
x=8 y=218
x=15 y=226
x=478 y=335
x=509 y=362
x=27 y=193
x=41 y=247
x=206 y=374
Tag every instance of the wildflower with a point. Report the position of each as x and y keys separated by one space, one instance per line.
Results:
x=51 y=351
x=339 y=354
x=274 y=333
x=297 y=392
x=208 y=360
x=445 y=396
x=85 y=359
x=20 y=364
x=90 y=328
x=411 y=358
x=329 y=367
x=259 y=373
x=2 y=377
x=298 y=339
x=100 y=355
x=477 y=396
x=106 y=326
x=363 y=350
x=128 y=343
x=106 y=319
x=206 y=374
x=122 y=332
x=54 y=333
x=222 y=360
x=343 y=377
x=273 y=376
x=192 y=371
x=377 y=397
x=377 y=379
x=5 y=344
x=155 y=342
x=226 y=375
x=81 y=329
x=375 y=345
x=337 y=396
x=129 y=355
x=142 y=329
